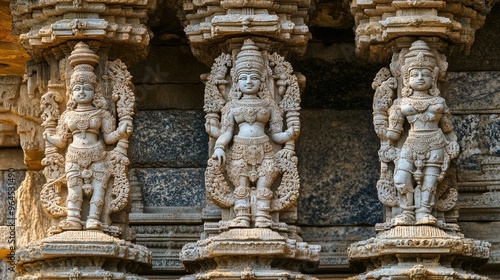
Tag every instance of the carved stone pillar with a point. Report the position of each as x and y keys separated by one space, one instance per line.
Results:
x=79 y=82
x=252 y=102
x=419 y=238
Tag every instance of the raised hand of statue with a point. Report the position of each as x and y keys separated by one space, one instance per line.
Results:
x=125 y=129
x=294 y=130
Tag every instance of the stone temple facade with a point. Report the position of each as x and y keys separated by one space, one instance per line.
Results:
x=255 y=139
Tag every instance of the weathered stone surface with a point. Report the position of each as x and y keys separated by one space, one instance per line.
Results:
x=163 y=187
x=165 y=242
x=12 y=158
x=169 y=139
x=88 y=254
x=340 y=188
x=473 y=92
x=381 y=24
x=334 y=242
x=212 y=27
x=12 y=54
x=167 y=64
x=478 y=138
x=336 y=78
x=487 y=232
x=169 y=96
x=31 y=221
x=484 y=54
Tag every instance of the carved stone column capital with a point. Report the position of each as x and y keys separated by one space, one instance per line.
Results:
x=210 y=24
x=380 y=23
x=43 y=25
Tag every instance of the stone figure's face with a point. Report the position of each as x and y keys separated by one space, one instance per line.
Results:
x=249 y=82
x=420 y=79
x=83 y=93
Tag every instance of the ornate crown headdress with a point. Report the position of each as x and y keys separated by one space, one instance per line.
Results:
x=420 y=56
x=83 y=59
x=249 y=58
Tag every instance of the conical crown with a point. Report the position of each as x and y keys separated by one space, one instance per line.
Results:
x=420 y=56
x=249 y=58
x=83 y=59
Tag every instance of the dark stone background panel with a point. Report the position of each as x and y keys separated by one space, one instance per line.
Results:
x=339 y=168
x=163 y=187
x=170 y=138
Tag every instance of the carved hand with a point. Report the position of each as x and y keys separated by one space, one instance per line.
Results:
x=125 y=129
x=393 y=135
x=212 y=128
x=286 y=153
x=293 y=131
x=220 y=155
x=381 y=131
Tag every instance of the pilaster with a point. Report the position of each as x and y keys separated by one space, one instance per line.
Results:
x=83 y=106
x=420 y=237
x=252 y=106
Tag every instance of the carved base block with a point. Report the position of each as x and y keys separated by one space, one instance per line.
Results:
x=81 y=255
x=418 y=252
x=256 y=253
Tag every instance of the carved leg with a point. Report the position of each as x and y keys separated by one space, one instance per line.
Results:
x=403 y=183
x=264 y=196
x=241 y=205
x=427 y=197
x=96 y=203
x=74 y=202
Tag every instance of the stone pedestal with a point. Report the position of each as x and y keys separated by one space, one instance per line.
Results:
x=419 y=252
x=81 y=255
x=249 y=253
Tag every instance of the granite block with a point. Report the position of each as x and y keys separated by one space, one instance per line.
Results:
x=168 y=64
x=169 y=139
x=164 y=187
x=473 y=92
x=169 y=96
x=479 y=138
x=339 y=168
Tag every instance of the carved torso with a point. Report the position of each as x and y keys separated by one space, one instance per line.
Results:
x=251 y=116
x=423 y=114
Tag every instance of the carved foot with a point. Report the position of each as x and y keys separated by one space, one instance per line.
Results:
x=93 y=224
x=426 y=219
x=239 y=222
x=263 y=223
x=71 y=225
x=404 y=219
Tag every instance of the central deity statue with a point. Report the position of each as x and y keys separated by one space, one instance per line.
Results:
x=422 y=153
x=251 y=147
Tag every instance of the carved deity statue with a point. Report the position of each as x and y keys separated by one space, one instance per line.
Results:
x=416 y=156
x=82 y=139
x=253 y=170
